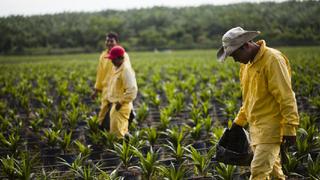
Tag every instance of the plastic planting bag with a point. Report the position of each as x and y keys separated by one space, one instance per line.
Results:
x=234 y=147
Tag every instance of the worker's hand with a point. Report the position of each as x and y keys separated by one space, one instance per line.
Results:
x=288 y=140
x=118 y=106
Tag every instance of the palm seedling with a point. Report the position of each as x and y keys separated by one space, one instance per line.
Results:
x=314 y=167
x=165 y=118
x=73 y=116
x=170 y=90
x=85 y=150
x=217 y=133
x=152 y=96
x=124 y=152
x=24 y=166
x=5 y=123
x=93 y=123
x=172 y=172
x=74 y=99
x=12 y=142
x=136 y=140
x=207 y=123
x=196 y=115
x=85 y=169
x=225 y=172
x=177 y=102
x=65 y=141
x=152 y=135
x=310 y=132
x=62 y=88
x=307 y=143
x=52 y=137
x=35 y=124
x=142 y=112
x=205 y=94
x=108 y=139
x=18 y=169
x=147 y=164
x=201 y=162
x=176 y=136
x=177 y=152
x=196 y=131
x=95 y=138
x=8 y=166
x=205 y=108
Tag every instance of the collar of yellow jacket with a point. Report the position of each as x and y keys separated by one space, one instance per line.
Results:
x=262 y=49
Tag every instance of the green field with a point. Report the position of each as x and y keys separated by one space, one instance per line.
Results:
x=185 y=98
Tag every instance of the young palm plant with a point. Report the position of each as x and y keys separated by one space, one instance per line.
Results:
x=177 y=152
x=108 y=139
x=65 y=141
x=147 y=164
x=8 y=166
x=85 y=150
x=73 y=116
x=93 y=124
x=291 y=164
x=201 y=162
x=152 y=135
x=314 y=167
x=176 y=136
x=36 y=124
x=165 y=118
x=124 y=152
x=225 y=172
x=12 y=142
x=52 y=137
x=172 y=172
x=87 y=170
x=142 y=112
x=24 y=166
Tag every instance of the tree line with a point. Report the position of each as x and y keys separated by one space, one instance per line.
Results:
x=282 y=24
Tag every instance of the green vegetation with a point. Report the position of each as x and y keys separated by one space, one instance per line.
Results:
x=185 y=100
x=286 y=23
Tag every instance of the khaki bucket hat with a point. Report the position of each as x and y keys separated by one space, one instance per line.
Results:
x=233 y=39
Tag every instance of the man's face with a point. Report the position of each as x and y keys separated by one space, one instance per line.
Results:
x=110 y=42
x=241 y=55
x=117 y=62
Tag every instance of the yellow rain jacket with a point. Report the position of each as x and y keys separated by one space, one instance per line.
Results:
x=122 y=88
x=104 y=67
x=103 y=74
x=269 y=104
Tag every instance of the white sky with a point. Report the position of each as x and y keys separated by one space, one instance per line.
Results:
x=33 y=7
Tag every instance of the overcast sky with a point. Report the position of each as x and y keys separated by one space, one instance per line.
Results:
x=32 y=7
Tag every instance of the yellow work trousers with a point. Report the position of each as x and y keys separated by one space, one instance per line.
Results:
x=119 y=119
x=266 y=162
x=103 y=111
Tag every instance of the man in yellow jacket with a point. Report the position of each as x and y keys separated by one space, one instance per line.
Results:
x=269 y=105
x=121 y=91
x=103 y=73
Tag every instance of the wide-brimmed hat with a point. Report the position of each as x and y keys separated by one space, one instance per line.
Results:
x=116 y=52
x=233 y=39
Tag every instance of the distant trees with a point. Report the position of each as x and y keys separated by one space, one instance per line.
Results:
x=287 y=23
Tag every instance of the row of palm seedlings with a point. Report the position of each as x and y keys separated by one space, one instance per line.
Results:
x=49 y=127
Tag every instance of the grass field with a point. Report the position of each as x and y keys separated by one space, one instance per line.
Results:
x=186 y=98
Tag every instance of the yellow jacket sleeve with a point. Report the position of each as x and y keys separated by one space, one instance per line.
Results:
x=241 y=118
x=279 y=85
x=100 y=73
x=130 y=86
